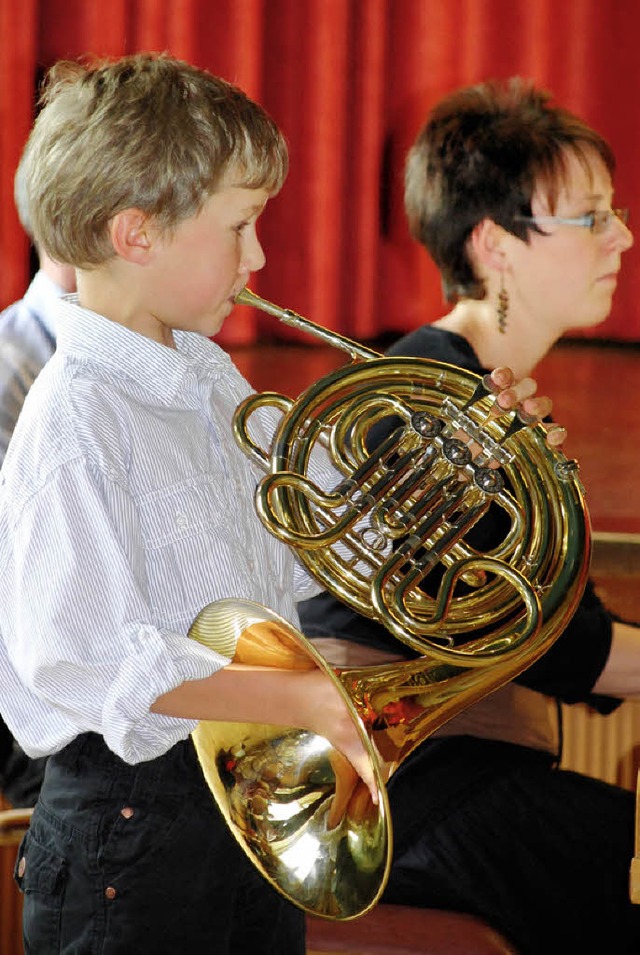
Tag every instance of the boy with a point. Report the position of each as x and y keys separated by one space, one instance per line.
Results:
x=126 y=507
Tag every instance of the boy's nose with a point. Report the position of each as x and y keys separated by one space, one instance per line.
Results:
x=255 y=258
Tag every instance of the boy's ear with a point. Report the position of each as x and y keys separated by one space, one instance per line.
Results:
x=487 y=244
x=131 y=235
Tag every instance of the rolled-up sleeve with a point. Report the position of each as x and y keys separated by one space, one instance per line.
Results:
x=78 y=623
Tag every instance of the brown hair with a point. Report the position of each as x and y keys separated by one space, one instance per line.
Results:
x=482 y=153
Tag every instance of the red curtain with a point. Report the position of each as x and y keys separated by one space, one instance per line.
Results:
x=350 y=82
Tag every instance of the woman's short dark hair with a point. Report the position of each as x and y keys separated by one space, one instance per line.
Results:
x=482 y=153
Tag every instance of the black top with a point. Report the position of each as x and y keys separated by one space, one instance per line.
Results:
x=574 y=662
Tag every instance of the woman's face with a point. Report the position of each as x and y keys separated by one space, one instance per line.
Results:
x=566 y=279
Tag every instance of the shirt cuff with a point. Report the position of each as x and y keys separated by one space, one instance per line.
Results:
x=159 y=662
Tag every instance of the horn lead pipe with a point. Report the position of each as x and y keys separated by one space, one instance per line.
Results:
x=289 y=317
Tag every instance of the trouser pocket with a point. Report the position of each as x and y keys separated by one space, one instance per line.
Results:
x=40 y=874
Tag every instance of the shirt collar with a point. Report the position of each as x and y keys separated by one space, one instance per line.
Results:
x=161 y=370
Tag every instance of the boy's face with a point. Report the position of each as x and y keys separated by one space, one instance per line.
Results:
x=199 y=268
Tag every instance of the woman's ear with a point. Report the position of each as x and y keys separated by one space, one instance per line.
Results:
x=131 y=233
x=487 y=245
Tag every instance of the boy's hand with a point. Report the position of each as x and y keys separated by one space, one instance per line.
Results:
x=329 y=716
x=511 y=394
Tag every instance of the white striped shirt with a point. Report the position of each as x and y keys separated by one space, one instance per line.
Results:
x=125 y=508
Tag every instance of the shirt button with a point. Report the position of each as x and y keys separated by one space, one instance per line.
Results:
x=110 y=892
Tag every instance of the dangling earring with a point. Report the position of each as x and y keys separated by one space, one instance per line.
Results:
x=503 y=306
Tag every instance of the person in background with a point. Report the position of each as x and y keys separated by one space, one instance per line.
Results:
x=28 y=327
x=28 y=330
x=512 y=196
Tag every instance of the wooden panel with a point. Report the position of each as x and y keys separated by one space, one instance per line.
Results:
x=608 y=747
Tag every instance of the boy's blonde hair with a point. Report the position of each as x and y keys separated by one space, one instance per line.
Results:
x=21 y=196
x=147 y=132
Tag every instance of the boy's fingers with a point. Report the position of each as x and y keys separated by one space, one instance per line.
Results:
x=538 y=407
x=362 y=764
x=556 y=435
x=499 y=379
x=519 y=393
x=521 y=396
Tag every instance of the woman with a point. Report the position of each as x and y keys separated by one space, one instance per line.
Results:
x=512 y=197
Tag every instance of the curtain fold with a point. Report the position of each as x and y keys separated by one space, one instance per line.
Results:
x=349 y=82
x=18 y=53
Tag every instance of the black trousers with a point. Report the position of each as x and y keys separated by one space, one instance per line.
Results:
x=495 y=829
x=123 y=859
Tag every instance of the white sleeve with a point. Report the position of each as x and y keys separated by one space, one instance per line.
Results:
x=77 y=627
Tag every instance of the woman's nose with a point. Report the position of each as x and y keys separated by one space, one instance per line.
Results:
x=624 y=235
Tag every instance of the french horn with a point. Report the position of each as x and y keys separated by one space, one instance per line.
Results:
x=393 y=538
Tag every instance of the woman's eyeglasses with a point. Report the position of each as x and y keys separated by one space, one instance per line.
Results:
x=597 y=221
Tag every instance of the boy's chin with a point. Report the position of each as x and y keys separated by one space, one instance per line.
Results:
x=213 y=323
x=222 y=314
x=215 y=327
